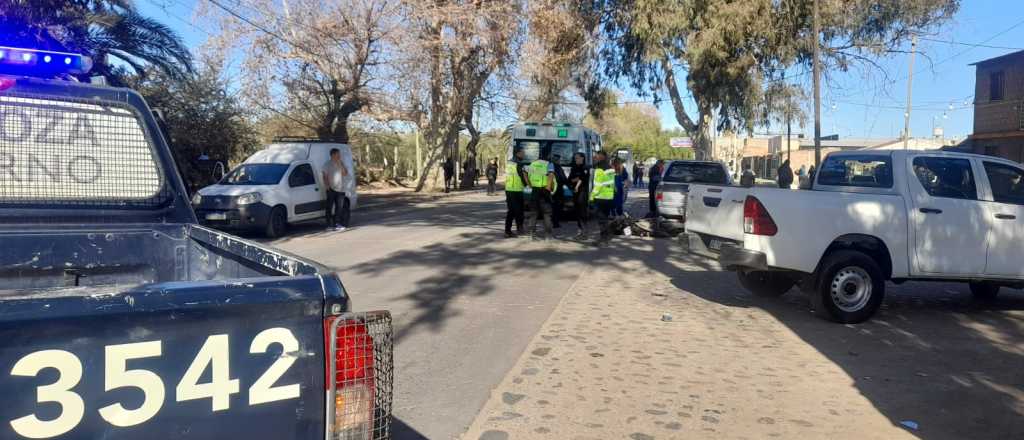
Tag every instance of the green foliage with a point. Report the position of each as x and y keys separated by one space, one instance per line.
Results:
x=199 y=117
x=110 y=31
x=637 y=127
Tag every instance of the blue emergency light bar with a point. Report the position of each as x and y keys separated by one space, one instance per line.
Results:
x=32 y=62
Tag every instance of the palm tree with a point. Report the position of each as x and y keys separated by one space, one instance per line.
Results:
x=119 y=40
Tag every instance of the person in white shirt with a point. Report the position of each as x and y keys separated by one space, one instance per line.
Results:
x=337 y=203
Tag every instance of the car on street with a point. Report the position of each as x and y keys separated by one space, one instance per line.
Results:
x=670 y=196
x=870 y=217
x=275 y=187
x=123 y=318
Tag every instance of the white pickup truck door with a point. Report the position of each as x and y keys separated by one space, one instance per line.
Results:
x=1006 y=216
x=950 y=224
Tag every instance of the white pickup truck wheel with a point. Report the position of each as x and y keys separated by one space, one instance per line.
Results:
x=762 y=283
x=851 y=287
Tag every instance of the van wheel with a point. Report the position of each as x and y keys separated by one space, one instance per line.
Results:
x=850 y=288
x=984 y=291
x=763 y=283
x=277 y=223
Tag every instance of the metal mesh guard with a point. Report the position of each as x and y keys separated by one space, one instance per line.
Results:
x=57 y=151
x=363 y=351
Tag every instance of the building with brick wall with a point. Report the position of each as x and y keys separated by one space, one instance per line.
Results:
x=998 y=109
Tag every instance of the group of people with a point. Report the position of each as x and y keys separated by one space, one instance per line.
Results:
x=785 y=175
x=550 y=189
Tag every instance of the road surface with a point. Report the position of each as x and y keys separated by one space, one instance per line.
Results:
x=465 y=300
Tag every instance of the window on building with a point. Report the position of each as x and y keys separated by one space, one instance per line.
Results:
x=946 y=177
x=997 y=83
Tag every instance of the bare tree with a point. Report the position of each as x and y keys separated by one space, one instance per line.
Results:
x=453 y=50
x=316 y=62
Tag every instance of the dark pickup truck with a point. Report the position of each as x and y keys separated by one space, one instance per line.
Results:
x=122 y=318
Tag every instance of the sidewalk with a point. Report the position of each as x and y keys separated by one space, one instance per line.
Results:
x=607 y=365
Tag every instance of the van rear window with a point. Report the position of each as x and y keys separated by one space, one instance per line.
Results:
x=868 y=171
x=74 y=152
x=695 y=172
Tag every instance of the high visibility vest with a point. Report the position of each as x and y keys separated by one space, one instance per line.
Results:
x=604 y=184
x=513 y=182
x=539 y=173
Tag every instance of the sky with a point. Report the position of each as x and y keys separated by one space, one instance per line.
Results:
x=859 y=103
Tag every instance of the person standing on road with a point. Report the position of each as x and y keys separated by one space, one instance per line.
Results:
x=638 y=176
x=748 y=179
x=515 y=178
x=785 y=175
x=603 y=194
x=579 y=182
x=653 y=179
x=621 y=186
x=334 y=175
x=449 y=173
x=492 y=175
x=542 y=183
x=558 y=194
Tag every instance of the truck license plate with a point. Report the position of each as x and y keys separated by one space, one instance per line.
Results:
x=715 y=245
x=216 y=216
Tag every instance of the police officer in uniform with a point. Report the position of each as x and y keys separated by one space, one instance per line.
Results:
x=603 y=194
x=542 y=182
x=515 y=178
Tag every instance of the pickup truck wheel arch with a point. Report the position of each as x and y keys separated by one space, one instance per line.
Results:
x=869 y=245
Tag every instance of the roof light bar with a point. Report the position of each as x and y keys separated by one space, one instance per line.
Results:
x=33 y=62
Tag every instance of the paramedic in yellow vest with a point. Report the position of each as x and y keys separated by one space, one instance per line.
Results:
x=542 y=182
x=515 y=181
x=603 y=194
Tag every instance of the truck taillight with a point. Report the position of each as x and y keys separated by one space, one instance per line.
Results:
x=756 y=219
x=358 y=355
x=658 y=195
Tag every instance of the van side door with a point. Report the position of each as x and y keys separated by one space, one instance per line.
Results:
x=1006 y=218
x=949 y=222
x=305 y=194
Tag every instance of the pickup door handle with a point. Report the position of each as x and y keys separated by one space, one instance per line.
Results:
x=930 y=210
x=1006 y=217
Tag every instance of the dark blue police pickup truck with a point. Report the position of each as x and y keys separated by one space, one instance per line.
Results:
x=122 y=318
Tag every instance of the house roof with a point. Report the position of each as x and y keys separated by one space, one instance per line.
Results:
x=998 y=58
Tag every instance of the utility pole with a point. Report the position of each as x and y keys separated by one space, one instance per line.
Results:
x=910 y=89
x=789 y=125
x=816 y=30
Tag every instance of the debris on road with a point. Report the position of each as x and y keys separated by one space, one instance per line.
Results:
x=909 y=424
x=666 y=317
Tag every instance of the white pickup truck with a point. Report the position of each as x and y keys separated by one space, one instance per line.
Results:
x=870 y=217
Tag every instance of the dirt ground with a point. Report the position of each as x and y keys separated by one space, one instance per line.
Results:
x=660 y=344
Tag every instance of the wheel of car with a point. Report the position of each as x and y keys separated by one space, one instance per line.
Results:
x=984 y=291
x=277 y=223
x=851 y=287
x=762 y=283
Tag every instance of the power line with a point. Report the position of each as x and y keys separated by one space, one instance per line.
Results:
x=261 y=28
x=960 y=43
x=972 y=47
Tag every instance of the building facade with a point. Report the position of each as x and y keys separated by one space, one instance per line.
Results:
x=998 y=109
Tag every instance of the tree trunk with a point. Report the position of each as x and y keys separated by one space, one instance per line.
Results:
x=471 y=154
x=697 y=130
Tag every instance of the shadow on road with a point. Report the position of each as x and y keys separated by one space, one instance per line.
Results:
x=932 y=355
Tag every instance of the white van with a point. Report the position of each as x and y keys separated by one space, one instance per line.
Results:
x=274 y=187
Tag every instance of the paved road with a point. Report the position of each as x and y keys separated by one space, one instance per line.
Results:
x=466 y=301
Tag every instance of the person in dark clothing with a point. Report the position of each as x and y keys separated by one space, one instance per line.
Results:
x=449 y=173
x=785 y=175
x=653 y=179
x=558 y=195
x=748 y=178
x=492 y=175
x=638 y=177
x=621 y=185
x=579 y=182
x=515 y=181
